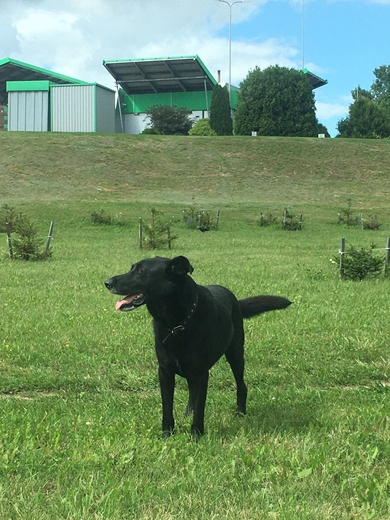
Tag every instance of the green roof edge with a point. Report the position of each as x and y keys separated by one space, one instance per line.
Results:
x=39 y=69
x=192 y=56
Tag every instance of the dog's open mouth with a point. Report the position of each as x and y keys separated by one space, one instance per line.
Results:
x=130 y=302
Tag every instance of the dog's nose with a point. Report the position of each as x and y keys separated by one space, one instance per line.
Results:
x=108 y=284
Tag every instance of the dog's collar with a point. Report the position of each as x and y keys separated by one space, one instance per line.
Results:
x=184 y=323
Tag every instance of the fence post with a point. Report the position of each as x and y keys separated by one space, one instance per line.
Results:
x=9 y=239
x=49 y=237
x=387 y=259
x=140 y=232
x=342 y=253
x=217 y=220
x=261 y=218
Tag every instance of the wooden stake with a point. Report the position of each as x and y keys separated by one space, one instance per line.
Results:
x=9 y=239
x=217 y=220
x=387 y=259
x=49 y=237
x=342 y=253
x=140 y=232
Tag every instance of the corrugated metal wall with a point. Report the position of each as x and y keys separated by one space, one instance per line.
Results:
x=73 y=108
x=105 y=110
x=28 y=111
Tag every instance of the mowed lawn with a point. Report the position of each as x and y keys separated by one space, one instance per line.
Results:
x=79 y=396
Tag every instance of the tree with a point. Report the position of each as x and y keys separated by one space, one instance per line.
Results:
x=276 y=101
x=323 y=130
x=170 y=120
x=366 y=117
x=220 y=115
x=380 y=89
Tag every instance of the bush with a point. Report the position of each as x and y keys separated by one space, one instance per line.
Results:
x=26 y=244
x=150 y=131
x=201 y=219
x=267 y=220
x=360 y=263
x=372 y=223
x=291 y=222
x=202 y=128
x=101 y=218
x=170 y=120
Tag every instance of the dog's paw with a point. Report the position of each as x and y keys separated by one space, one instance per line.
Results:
x=167 y=433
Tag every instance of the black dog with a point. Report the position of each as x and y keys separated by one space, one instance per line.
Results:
x=194 y=326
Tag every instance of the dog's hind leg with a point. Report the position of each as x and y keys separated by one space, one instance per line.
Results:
x=167 y=386
x=235 y=356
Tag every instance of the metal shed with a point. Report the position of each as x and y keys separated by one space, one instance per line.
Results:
x=40 y=100
x=82 y=108
x=28 y=105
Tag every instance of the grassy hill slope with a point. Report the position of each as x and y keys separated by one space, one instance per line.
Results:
x=49 y=167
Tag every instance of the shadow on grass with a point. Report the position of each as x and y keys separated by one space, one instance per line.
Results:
x=291 y=411
x=286 y=414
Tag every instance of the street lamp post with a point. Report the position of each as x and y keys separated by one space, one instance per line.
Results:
x=230 y=4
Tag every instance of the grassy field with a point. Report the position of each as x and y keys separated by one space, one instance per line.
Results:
x=79 y=396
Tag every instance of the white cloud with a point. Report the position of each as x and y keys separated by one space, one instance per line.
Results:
x=327 y=111
x=75 y=38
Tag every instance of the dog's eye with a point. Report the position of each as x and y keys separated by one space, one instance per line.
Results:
x=138 y=270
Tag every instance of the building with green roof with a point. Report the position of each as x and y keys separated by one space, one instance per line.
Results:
x=36 y=99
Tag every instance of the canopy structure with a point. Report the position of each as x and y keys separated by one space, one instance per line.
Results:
x=13 y=70
x=161 y=75
x=315 y=81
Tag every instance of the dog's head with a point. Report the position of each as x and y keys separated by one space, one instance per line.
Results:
x=148 y=278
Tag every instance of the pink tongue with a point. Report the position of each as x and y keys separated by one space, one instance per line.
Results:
x=119 y=304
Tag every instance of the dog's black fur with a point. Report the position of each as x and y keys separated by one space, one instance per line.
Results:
x=194 y=326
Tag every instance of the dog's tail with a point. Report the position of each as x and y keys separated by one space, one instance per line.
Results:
x=259 y=304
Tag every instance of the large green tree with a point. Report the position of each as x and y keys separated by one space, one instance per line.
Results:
x=276 y=101
x=368 y=114
x=380 y=89
x=220 y=114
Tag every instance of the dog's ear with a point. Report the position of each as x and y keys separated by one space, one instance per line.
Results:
x=180 y=266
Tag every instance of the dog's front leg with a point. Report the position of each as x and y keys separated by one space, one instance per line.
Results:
x=167 y=386
x=198 y=392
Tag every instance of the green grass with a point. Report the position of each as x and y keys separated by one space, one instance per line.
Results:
x=79 y=397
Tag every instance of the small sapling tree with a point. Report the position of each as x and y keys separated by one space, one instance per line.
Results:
x=201 y=219
x=7 y=214
x=156 y=234
x=346 y=217
x=267 y=220
x=360 y=263
x=26 y=243
x=291 y=222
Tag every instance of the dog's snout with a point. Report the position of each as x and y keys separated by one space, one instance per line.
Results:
x=108 y=284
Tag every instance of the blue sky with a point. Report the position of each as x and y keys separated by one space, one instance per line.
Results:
x=341 y=41
x=344 y=40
